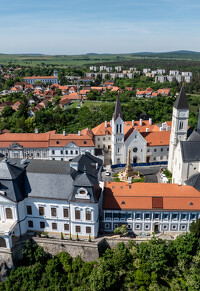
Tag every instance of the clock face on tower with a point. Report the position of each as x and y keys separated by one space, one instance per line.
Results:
x=182 y=114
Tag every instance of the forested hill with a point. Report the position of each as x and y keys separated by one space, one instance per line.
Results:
x=181 y=54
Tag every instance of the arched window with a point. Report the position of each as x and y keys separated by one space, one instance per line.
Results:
x=117 y=128
x=120 y=128
x=181 y=125
x=2 y=242
x=9 y=213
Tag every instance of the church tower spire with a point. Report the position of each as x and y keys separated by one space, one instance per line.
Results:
x=179 y=127
x=118 y=110
x=117 y=133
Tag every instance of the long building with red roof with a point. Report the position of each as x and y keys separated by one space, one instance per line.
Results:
x=150 y=206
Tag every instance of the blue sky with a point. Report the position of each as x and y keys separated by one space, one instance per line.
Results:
x=83 y=26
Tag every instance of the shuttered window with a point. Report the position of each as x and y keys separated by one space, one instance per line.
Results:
x=66 y=212
x=53 y=211
x=66 y=226
x=78 y=228
x=54 y=225
x=29 y=209
x=77 y=214
x=41 y=210
x=88 y=229
x=88 y=215
x=9 y=213
x=42 y=224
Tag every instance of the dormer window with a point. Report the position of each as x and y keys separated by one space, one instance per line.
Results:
x=82 y=193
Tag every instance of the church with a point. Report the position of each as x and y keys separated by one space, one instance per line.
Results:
x=149 y=142
x=184 y=150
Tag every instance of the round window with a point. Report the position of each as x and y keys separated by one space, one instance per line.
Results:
x=135 y=150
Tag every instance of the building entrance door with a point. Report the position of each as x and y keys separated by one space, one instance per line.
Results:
x=156 y=228
x=147 y=159
x=134 y=160
x=2 y=242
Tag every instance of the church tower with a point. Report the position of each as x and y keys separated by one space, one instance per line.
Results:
x=117 y=134
x=179 y=126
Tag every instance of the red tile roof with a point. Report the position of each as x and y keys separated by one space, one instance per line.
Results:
x=118 y=196
x=40 y=77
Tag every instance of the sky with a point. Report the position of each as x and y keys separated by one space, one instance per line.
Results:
x=90 y=26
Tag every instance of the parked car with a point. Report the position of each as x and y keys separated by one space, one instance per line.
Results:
x=107 y=173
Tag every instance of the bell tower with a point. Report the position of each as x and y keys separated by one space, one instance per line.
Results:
x=179 y=126
x=117 y=134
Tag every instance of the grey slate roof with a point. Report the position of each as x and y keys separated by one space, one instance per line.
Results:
x=181 y=101
x=118 y=110
x=194 y=181
x=49 y=179
x=195 y=136
x=190 y=151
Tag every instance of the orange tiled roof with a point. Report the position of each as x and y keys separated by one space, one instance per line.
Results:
x=27 y=140
x=164 y=91
x=139 y=197
x=72 y=96
x=40 y=77
x=101 y=129
x=159 y=138
x=79 y=140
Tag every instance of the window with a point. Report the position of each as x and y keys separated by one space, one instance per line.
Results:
x=65 y=212
x=38 y=155
x=53 y=211
x=41 y=210
x=16 y=155
x=9 y=213
x=107 y=225
x=66 y=226
x=164 y=226
x=77 y=214
x=66 y=152
x=53 y=152
x=154 y=150
x=154 y=158
x=181 y=125
x=135 y=150
x=61 y=152
x=193 y=216
x=156 y=215
x=54 y=225
x=116 y=215
x=183 y=227
x=42 y=224
x=161 y=149
x=103 y=138
x=88 y=215
x=137 y=226
x=167 y=149
x=138 y=216
x=88 y=229
x=30 y=223
x=146 y=226
x=173 y=227
x=184 y=216
x=175 y=216
x=148 y=150
x=78 y=228
x=61 y=159
x=71 y=152
x=76 y=152
x=165 y=216
x=98 y=138
x=147 y=216
x=129 y=226
x=29 y=209
x=161 y=158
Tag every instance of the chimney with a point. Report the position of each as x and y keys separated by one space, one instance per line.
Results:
x=105 y=124
x=133 y=122
x=150 y=121
x=79 y=133
x=140 y=122
x=147 y=129
x=36 y=130
x=64 y=133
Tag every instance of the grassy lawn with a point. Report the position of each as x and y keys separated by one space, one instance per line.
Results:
x=141 y=180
